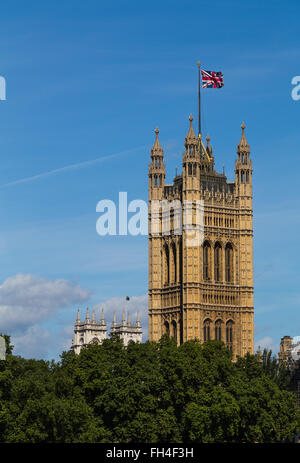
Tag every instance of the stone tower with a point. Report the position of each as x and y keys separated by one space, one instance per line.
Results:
x=126 y=330
x=93 y=332
x=88 y=331
x=202 y=291
x=286 y=345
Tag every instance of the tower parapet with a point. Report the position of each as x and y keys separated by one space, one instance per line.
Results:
x=128 y=331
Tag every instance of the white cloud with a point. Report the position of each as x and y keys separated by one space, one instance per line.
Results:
x=32 y=343
x=28 y=299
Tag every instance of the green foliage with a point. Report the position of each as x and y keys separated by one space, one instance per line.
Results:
x=151 y=392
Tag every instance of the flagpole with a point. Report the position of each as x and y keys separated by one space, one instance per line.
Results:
x=199 y=100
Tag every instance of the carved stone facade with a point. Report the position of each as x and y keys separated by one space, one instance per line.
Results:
x=286 y=345
x=205 y=291
x=93 y=332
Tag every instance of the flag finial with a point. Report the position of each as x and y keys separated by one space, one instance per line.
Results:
x=243 y=145
x=156 y=148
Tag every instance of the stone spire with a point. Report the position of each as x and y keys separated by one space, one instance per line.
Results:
x=157 y=170
x=128 y=318
x=123 y=317
x=114 y=320
x=93 y=316
x=102 y=317
x=78 y=317
x=209 y=149
x=87 y=317
x=208 y=146
x=207 y=142
x=156 y=149
x=138 y=323
x=191 y=138
x=259 y=355
x=243 y=146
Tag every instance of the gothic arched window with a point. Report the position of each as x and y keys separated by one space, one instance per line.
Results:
x=218 y=250
x=167 y=328
x=228 y=262
x=206 y=259
x=166 y=265
x=180 y=261
x=218 y=330
x=206 y=330
x=174 y=264
x=229 y=334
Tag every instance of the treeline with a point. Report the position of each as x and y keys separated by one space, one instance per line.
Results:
x=151 y=392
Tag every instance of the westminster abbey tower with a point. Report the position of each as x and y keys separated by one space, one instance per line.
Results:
x=206 y=291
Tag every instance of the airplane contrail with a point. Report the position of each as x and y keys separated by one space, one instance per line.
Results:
x=70 y=167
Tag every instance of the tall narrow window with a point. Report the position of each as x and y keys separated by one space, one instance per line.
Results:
x=174 y=330
x=180 y=261
x=166 y=265
x=229 y=334
x=167 y=328
x=206 y=330
x=206 y=256
x=217 y=262
x=228 y=262
x=218 y=330
x=174 y=264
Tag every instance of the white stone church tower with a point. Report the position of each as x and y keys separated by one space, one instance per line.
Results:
x=126 y=330
x=93 y=332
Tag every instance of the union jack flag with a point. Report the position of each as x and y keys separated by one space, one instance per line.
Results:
x=212 y=79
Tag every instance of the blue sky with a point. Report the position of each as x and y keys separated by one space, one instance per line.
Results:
x=88 y=80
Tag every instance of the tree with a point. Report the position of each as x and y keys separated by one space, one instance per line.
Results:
x=151 y=392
